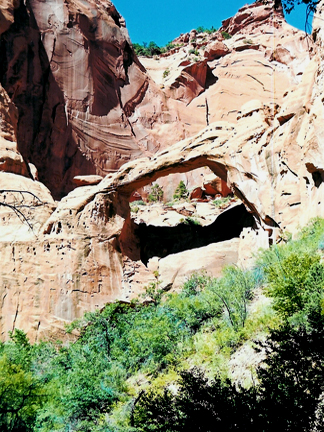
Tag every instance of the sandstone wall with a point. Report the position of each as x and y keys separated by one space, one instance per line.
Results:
x=76 y=101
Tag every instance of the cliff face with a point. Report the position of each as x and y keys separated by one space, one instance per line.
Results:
x=77 y=104
x=69 y=68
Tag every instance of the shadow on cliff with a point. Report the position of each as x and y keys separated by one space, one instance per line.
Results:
x=45 y=137
x=162 y=241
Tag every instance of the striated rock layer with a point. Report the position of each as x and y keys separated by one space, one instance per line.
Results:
x=86 y=104
x=77 y=104
x=71 y=71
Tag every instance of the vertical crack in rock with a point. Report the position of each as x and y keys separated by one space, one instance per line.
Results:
x=16 y=314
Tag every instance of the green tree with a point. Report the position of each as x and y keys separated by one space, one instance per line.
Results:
x=198 y=405
x=235 y=290
x=291 y=379
x=22 y=393
x=288 y=396
x=156 y=193
x=148 y=50
x=21 y=396
x=181 y=191
x=296 y=284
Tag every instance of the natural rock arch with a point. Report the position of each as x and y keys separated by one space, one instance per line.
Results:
x=183 y=157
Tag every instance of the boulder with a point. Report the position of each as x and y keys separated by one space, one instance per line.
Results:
x=215 y=50
x=217 y=186
x=197 y=193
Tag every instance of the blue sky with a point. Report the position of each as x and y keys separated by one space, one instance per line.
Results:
x=162 y=21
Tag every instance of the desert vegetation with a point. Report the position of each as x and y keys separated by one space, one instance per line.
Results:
x=202 y=29
x=156 y=193
x=160 y=363
x=181 y=191
x=226 y=35
x=151 y=49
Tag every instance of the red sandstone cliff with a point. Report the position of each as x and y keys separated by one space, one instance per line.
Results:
x=77 y=104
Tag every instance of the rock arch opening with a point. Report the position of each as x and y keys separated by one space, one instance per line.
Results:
x=162 y=241
x=161 y=229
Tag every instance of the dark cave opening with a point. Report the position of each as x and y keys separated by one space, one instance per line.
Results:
x=317 y=178
x=317 y=174
x=162 y=241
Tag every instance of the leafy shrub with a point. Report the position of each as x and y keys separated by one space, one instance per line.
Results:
x=226 y=35
x=287 y=396
x=235 y=290
x=166 y=73
x=135 y=205
x=291 y=379
x=138 y=203
x=321 y=245
x=223 y=202
x=193 y=221
x=199 y=405
x=169 y=46
x=202 y=29
x=152 y=49
x=22 y=391
x=193 y=51
x=147 y=50
x=296 y=284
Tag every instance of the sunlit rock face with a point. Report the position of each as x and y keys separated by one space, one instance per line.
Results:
x=253 y=18
x=80 y=117
x=69 y=68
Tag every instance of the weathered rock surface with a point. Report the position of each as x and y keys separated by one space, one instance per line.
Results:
x=215 y=50
x=66 y=66
x=250 y=18
x=7 y=13
x=174 y=269
x=264 y=57
x=263 y=143
x=85 y=102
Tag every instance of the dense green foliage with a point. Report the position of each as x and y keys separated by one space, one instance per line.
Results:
x=224 y=202
x=296 y=284
x=147 y=365
x=199 y=405
x=152 y=49
x=287 y=397
x=21 y=389
x=135 y=206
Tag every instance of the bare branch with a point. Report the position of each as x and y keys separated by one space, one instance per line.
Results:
x=18 y=204
x=17 y=212
x=21 y=192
